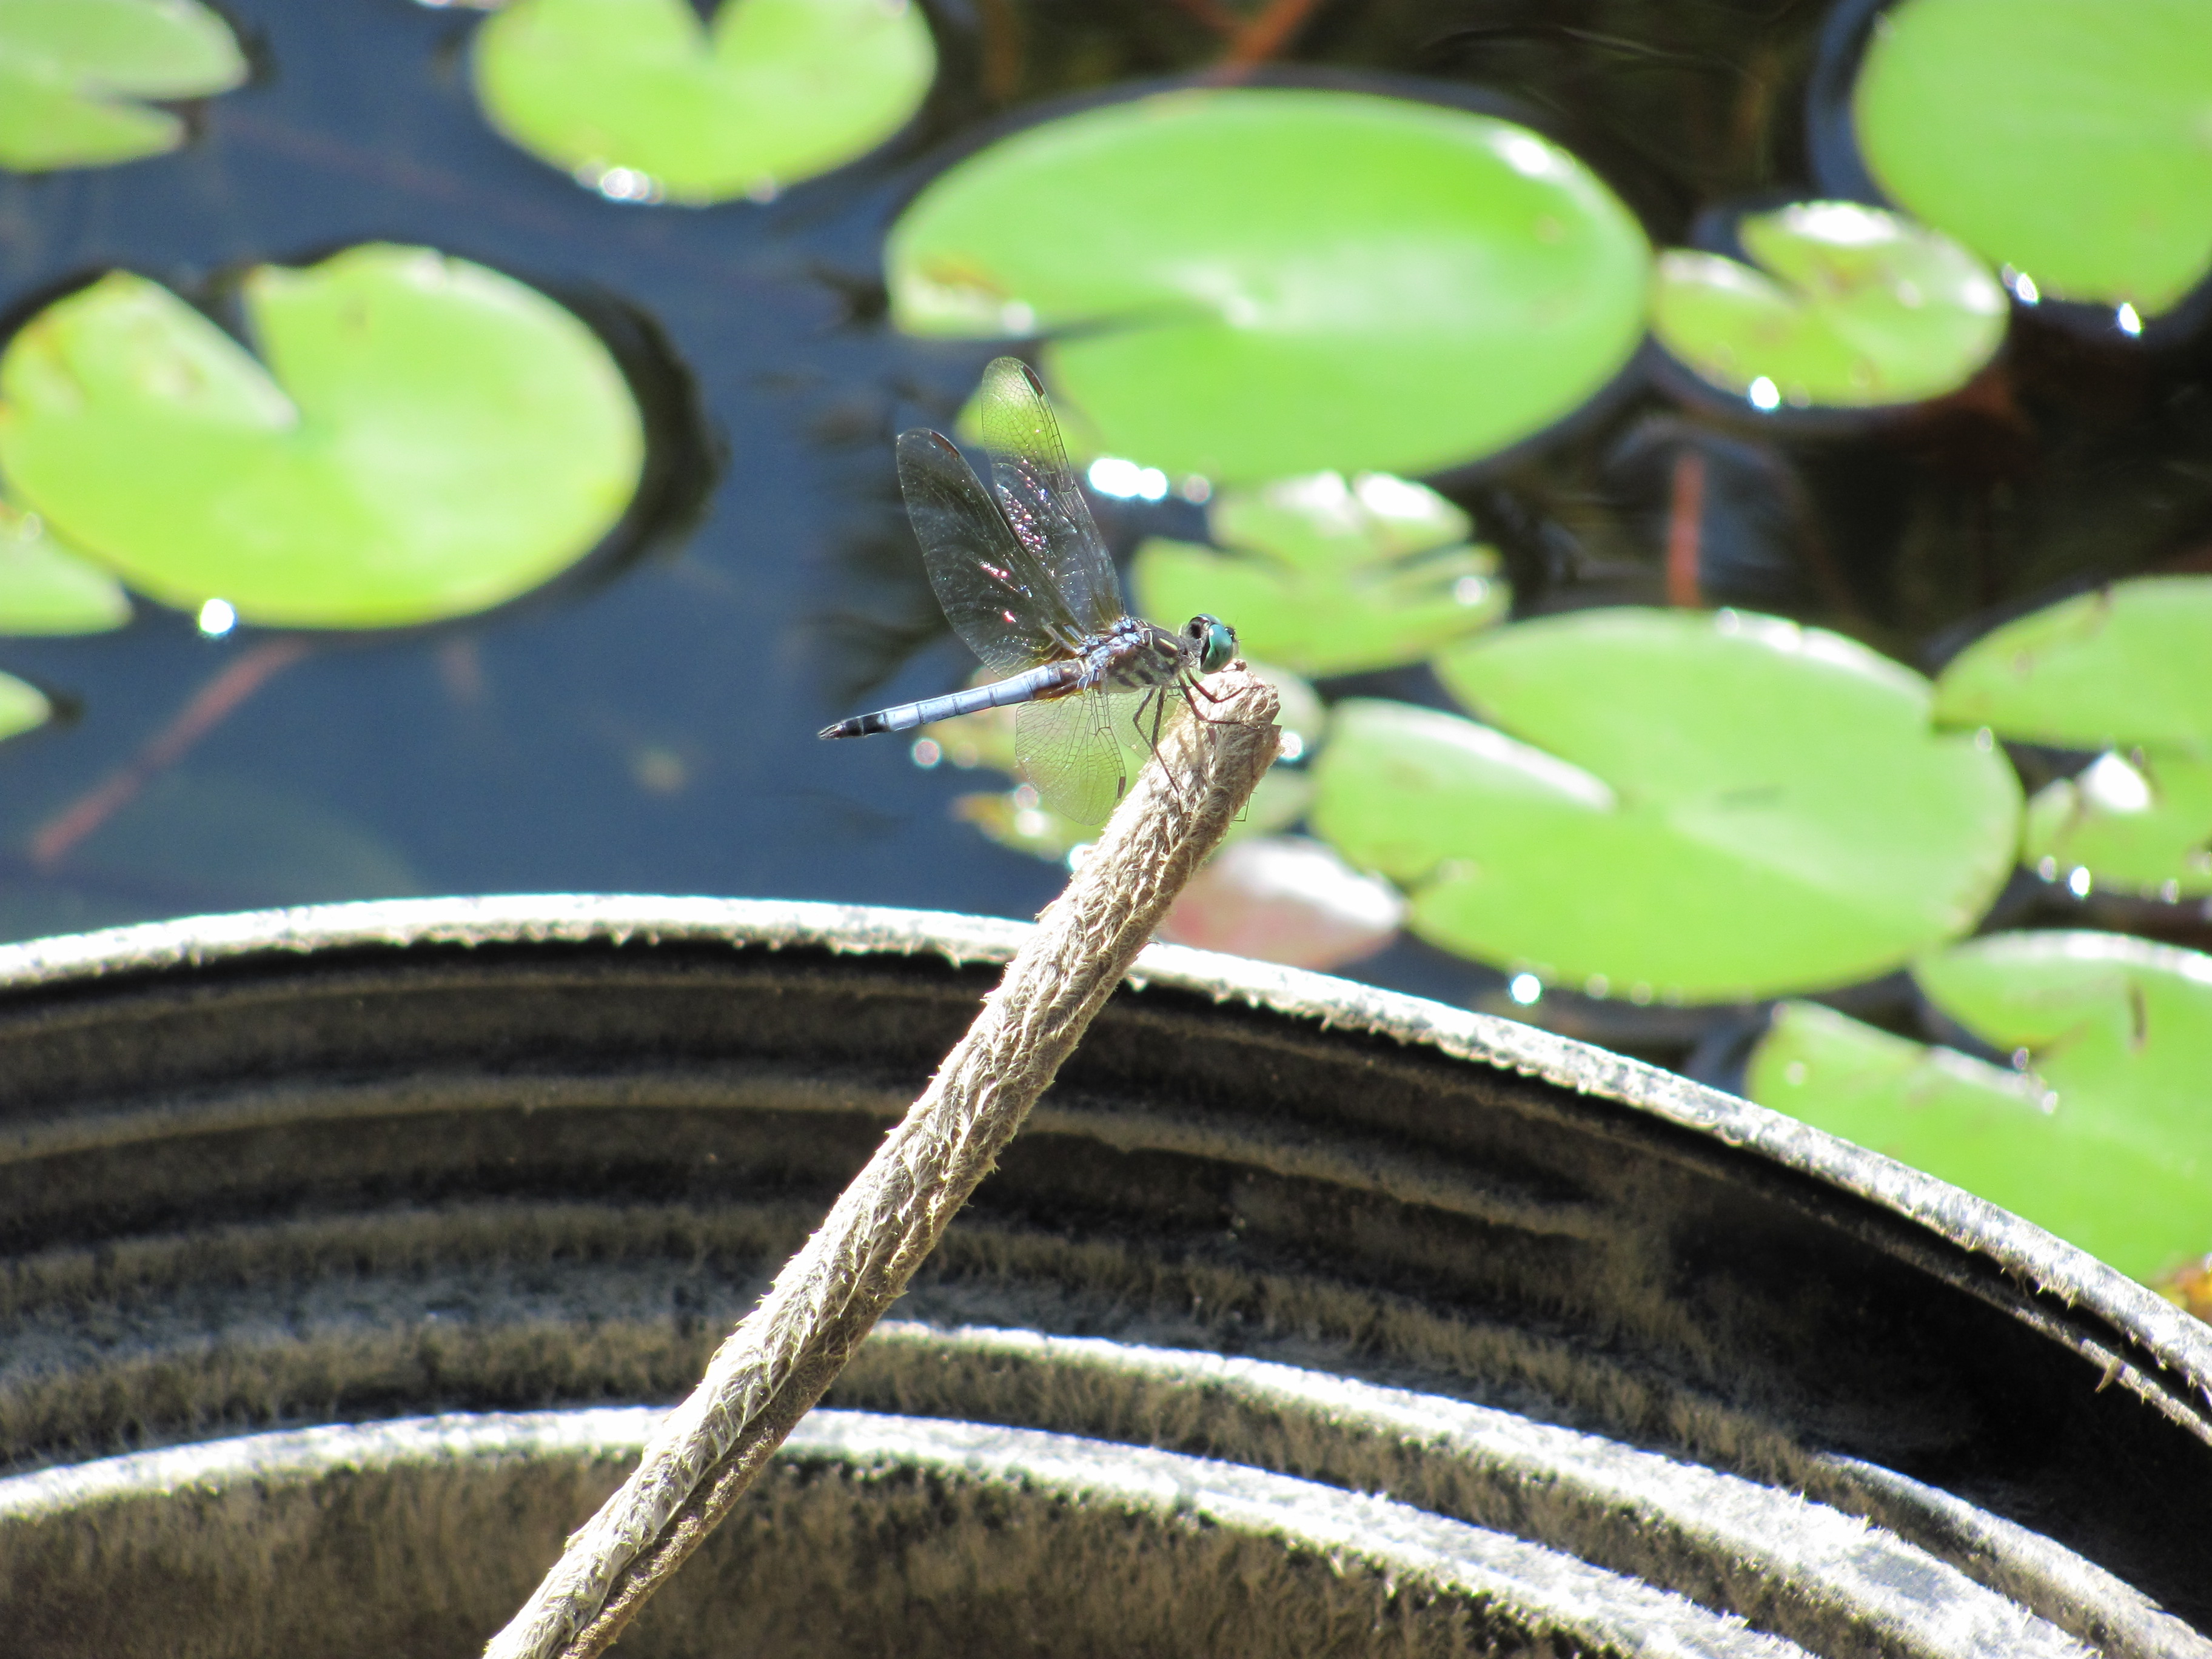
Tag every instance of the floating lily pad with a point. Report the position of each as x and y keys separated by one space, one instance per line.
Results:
x=2101 y=1134
x=1690 y=807
x=642 y=100
x=22 y=708
x=429 y=438
x=1922 y=1103
x=1250 y=284
x=1327 y=577
x=1854 y=308
x=46 y=589
x=2065 y=138
x=2124 y=666
x=2140 y=824
x=2124 y=669
x=72 y=72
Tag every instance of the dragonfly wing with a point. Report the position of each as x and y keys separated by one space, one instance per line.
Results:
x=999 y=599
x=1045 y=509
x=1081 y=753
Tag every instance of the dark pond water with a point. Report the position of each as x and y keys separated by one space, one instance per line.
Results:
x=649 y=724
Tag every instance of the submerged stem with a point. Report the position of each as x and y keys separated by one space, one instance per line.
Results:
x=212 y=704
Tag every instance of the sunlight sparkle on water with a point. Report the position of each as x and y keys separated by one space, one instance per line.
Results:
x=1844 y=224
x=621 y=184
x=2130 y=319
x=2117 y=786
x=1764 y=394
x=1531 y=157
x=2023 y=286
x=1525 y=988
x=217 y=617
x=1110 y=475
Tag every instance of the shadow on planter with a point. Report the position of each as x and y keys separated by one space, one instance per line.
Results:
x=1639 y=1367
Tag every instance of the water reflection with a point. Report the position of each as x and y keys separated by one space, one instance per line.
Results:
x=649 y=725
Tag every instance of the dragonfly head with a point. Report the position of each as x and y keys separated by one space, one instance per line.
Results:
x=1216 y=641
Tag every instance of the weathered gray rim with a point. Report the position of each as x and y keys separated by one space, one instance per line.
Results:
x=2179 y=1344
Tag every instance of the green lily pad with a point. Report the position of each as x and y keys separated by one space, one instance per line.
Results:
x=430 y=438
x=642 y=101
x=2140 y=824
x=22 y=708
x=1330 y=578
x=2122 y=667
x=1692 y=807
x=1253 y=283
x=2101 y=1135
x=46 y=589
x=72 y=71
x=2066 y=138
x=1855 y=308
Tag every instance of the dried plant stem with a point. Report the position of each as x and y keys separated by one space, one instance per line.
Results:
x=784 y=1356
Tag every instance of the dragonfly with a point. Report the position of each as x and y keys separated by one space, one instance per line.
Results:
x=1025 y=580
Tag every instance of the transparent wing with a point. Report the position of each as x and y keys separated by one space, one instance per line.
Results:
x=1081 y=753
x=1029 y=464
x=999 y=598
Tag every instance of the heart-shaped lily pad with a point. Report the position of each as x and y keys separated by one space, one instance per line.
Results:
x=1251 y=284
x=642 y=100
x=2123 y=665
x=46 y=589
x=22 y=708
x=1705 y=807
x=1854 y=308
x=2123 y=669
x=2066 y=138
x=2100 y=1134
x=2142 y=824
x=429 y=438
x=72 y=71
x=1327 y=577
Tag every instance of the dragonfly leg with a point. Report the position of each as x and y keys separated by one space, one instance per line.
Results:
x=1157 y=697
x=1192 y=688
x=1155 y=700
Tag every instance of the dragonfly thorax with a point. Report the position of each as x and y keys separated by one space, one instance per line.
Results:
x=1132 y=655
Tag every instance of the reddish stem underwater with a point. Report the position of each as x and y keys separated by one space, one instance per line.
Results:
x=213 y=704
x=1686 y=515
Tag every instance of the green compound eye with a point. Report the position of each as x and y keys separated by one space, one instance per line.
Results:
x=1217 y=642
